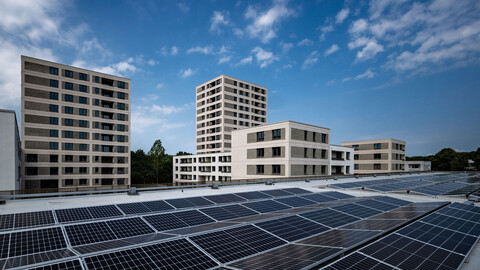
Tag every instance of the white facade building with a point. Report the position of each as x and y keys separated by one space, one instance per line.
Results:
x=418 y=166
x=202 y=168
x=341 y=160
x=10 y=154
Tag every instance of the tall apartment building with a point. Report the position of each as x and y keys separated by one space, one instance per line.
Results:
x=11 y=151
x=75 y=126
x=378 y=156
x=224 y=104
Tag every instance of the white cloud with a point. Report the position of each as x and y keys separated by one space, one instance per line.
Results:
x=358 y=27
x=155 y=118
x=286 y=47
x=203 y=50
x=224 y=59
x=183 y=7
x=246 y=60
x=342 y=15
x=331 y=82
x=325 y=30
x=332 y=49
x=311 y=60
x=152 y=62
x=218 y=19
x=369 y=51
x=185 y=73
x=160 y=85
x=120 y=68
x=169 y=51
x=173 y=50
x=369 y=74
x=346 y=79
x=264 y=58
x=265 y=24
x=305 y=42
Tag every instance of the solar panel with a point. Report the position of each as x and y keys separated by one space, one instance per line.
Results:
x=253 y=195
x=356 y=210
x=134 y=258
x=35 y=241
x=225 y=198
x=236 y=243
x=193 y=217
x=329 y=217
x=134 y=208
x=337 y=195
x=295 y=201
x=158 y=206
x=199 y=201
x=4 y=243
x=180 y=203
x=393 y=201
x=439 y=189
x=296 y=190
x=377 y=205
x=276 y=193
x=288 y=257
x=228 y=212
x=32 y=219
x=292 y=228
x=266 y=206
x=318 y=197
x=164 y=222
x=104 y=211
x=340 y=238
x=72 y=214
x=453 y=223
x=68 y=265
x=6 y=221
x=129 y=227
x=375 y=224
x=356 y=261
x=81 y=234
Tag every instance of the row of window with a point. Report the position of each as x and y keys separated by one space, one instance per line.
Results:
x=84 y=147
x=83 y=76
x=314 y=136
x=84 y=88
x=69 y=158
x=276 y=134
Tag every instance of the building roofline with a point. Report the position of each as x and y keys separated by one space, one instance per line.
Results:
x=38 y=59
x=375 y=140
x=224 y=75
x=281 y=122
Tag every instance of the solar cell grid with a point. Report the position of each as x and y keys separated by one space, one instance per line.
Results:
x=35 y=241
x=453 y=223
x=295 y=201
x=340 y=238
x=336 y=195
x=357 y=210
x=292 y=228
x=68 y=265
x=135 y=258
x=276 y=193
x=158 y=206
x=6 y=221
x=180 y=203
x=164 y=222
x=266 y=206
x=297 y=190
x=318 y=197
x=357 y=261
x=87 y=233
x=193 y=217
x=133 y=208
x=4 y=243
x=218 y=213
x=129 y=227
x=439 y=189
x=199 y=201
x=330 y=217
x=374 y=224
x=73 y=214
x=392 y=200
x=225 y=198
x=377 y=205
x=104 y=211
x=32 y=219
x=253 y=195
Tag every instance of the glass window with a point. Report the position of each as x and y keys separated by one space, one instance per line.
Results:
x=69 y=73
x=54 y=95
x=53 y=133
x=82 y=100
x=121 y=106
x=69 y=86
x=260 y=136
x=54 y=70
x=121 y=117
x=82 y=135
x=83 y=123
x=53 y=145
x=276 y=169
x=260 y=169
x=324 y=138
x=121 y=84
x=121 y=95
x=120 y=149
x=69 y=110
x=277 y=133
x=53 y=120
x=97 y=113
x=97 y=102
x=82 y=88
x=53 y=108
x=97 y=90
x=260 y=152
x=377 y=156
x=82 y=76
x=53 y=158
x=277 y=151
x=69 y=98
x=120 y=138
x=97 y=79
x=68 y=122
x=68 y=146
x=54 y=83
x=82 y=111
x=377 y=146
x=82 y=147
x=121 y=128
x=68 y=134
x=356 y=147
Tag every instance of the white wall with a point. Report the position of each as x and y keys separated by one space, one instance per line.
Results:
x=195 y=165
x=344 y=163
x=9 y=153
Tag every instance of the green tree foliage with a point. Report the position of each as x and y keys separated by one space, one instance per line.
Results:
x=181 y=153
x=448 y=159
x=152 y=167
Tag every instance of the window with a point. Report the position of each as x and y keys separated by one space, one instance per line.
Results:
x=356 y=147
x=121 y=106
x=69 y=86
x=69 y=98
x=276 y=169
x=53 y=133
x=82 y=112
x=97 y=102
x=97 y=90
x=314 y=152
x=83 y=158
x=97 y=113
x=83 y=182
x=377 y=166
x=355 y=166
x=305 y=152
x=31 y=170
x=54 y=95
x=260 y=152
x=260 y=136
x=53 y=158
x=83 y=135
x=68 y=146
x=32 y=158
x=68 y=134
x=305 y=135
x=121 y=117
x=68 y=158
x=276 y=151
x=324 y=153
x=121 y=95
x=121 y=127
x=97 y=136
x=121 y=84
x=277 y=133
x=260 y=169
x=97 y=125
x=69 y=110
x=355 y=157
x=83 y=147
x=82 y=76
x=82 y=88
x=97 y=79
x=54 y=83
x=305 y=169
x=69 y=73
x=68 y=122
x=120 y=149
x=53 y=170
x=377 y=156
x=53 y=145
x=53 y=108
x=53 y=121
x=377 y=146
x=313 y=169
x=82 y=100
x=324 y=138
x=121 y=138
x=54 y=70
x=234 y=98
x=83 y=123
x=314 y=136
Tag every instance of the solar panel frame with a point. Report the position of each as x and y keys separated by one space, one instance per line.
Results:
x=165 y=222
x=4 y=244
x=193 y=217
x=329 y=217
x=199 y=201
x=134 y=208
x=318 y=197
x=297 y=191
x=7 y=221
x=292 y=228
x=135 y=258
x=129 y=227
x=66 y=265
x=36 y=241
x=34 y=219
x=266 y=206
x=357 y=210
x=253 y=195
x=158 y=206
x=340 y=238
x=180 y=203
x=276 y=192
x=295 y=201
x=225 y=198
x=104 y=211
x=72 y=214
x=88 y=233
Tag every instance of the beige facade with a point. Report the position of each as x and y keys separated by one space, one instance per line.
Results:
x=75 y=126
x=224 y=104
x=283 y=149
x=378 y=156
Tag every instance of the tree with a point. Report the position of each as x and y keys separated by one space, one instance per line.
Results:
x=161 y=162
x=181 y=153
x=142 y=170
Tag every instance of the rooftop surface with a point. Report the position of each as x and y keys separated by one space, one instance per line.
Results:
x=288 y=224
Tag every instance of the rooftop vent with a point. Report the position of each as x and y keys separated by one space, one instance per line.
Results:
x=133 y=191
x=214 y=186
x=269 y=183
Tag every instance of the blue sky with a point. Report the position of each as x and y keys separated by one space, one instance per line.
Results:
x=365 y=69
